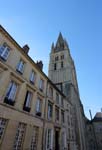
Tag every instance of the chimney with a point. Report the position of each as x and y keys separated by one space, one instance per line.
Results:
x=40 y=64
x=26 y=48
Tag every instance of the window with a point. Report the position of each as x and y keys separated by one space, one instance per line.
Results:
x=3 y=123
x=51 y=92
x=49 y=139
x=62 y=116
x=55 y=66
x=11 y=93
x=62 y=64
x=32 y=77
x=56 y=58
x=41 y=85
x=34 y=140
x=62 y=103
x=62 y=56
x=57 y=114
x=20 y=66
x=64 y=142
x=19 y=136
x=27 y=103
x=57 y=98
x=38 y=107
x=50 y=110
x=4 y=51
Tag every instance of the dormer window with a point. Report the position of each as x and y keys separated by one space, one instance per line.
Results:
x=4 y=51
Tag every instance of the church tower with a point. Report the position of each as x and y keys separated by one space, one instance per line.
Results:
x=61 y=67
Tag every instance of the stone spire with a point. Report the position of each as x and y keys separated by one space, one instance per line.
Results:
x=61 y=43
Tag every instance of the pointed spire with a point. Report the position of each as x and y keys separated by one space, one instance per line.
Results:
x=60 y=45
x=60 y=38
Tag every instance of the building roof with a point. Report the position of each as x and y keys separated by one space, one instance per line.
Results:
x=98 y=117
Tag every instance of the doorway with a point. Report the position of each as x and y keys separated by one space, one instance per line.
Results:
x=56 y=139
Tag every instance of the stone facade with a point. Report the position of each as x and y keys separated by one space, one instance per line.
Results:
x=34 y=113
x=39 y=112
x=94 y=132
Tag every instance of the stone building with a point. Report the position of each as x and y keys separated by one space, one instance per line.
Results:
x=39 y=112
x=94 y=132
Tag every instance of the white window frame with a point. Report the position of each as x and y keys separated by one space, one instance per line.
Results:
x=3 y=123
x=32 y=76
x=20 y=66
x=50 y=111
x=34 y=140
x=41 y=84
x=28 y=99
x=38 y=106
x=51 y=92
x=4 y=51
x=19 y=136
x=49 y=142
x=11 y=91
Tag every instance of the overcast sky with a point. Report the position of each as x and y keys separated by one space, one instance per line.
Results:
x=38 y=23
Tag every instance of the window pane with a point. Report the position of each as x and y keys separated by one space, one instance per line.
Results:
x=20 y=66
x=50 y=109
x=11 y=93
x=4 y=51
x=38 y=107
x=34 y=140
x=32 y=76
x=19 y=136
x=3 y=123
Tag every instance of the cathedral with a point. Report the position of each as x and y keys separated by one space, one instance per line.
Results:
x=40 y=112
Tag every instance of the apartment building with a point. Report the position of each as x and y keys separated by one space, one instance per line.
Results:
x=34 y=113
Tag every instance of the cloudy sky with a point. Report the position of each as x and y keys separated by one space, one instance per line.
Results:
x=38 y=23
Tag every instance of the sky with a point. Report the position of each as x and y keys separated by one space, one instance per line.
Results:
x=38 y=23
